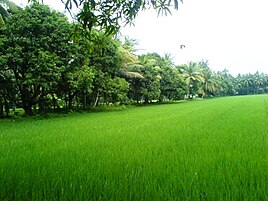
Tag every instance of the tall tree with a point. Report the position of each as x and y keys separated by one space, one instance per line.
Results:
x=34 y=48
x=227 y=83
x=192 y=74
x=172 y=85
x=258 y=81
x=211 y=83
x=147 y=88
x=128 y=59
x=247 y=81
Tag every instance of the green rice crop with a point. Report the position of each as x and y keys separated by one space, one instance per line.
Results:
x=197 y=150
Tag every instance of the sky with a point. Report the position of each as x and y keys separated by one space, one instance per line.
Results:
x=231 y=34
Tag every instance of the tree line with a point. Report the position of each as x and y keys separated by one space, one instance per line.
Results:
x=48 y=63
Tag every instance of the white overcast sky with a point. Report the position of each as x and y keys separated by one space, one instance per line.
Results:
x=231 y=34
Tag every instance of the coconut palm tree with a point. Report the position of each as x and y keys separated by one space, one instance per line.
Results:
x=167 y=60
x=128 y=59
x=211 y=82
x=192 y=74
x=247 y=81
x=258 y=82
x=128 y=62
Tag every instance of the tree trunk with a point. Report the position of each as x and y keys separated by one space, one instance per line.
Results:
x=1 y=108
x=97 y=100
x=28 y=110
x=42 y=101
x=66 y=101
x=85 y=100
x=6 y=107
x=14 y=107
x=55 y=104
x=70 y=101
x=54 y=101
x=137 y=99
x=161 y=98
x=27 y=101
x=146 y=100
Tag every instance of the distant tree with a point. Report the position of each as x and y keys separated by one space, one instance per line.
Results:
x=147 y=88
x=80 y=84
x=172 y=85
x=247 y=82
x=109 y=59
x=161 y=80
x=128 y=59
x=167 y=60
x=211 y=83
x=227 y=83
x=265 y=82
x=192 y=74
x=150 y=85
x=258 y=81
x=129 y=44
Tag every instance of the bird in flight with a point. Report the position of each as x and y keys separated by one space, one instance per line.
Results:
x=182 y=46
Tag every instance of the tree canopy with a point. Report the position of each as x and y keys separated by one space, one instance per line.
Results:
x=111 y=15
x=34 y=47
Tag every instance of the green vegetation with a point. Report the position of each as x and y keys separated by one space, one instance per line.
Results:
x=213 y=149
x=48 y=64
x=7 y=8
x=110 y=15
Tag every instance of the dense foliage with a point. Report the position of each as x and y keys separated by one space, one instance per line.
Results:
x=44 y=68
x=110 y=15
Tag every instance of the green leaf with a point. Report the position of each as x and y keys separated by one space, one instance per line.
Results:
x=2 y=22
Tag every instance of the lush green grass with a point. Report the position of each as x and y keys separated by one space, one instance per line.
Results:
x=200 y=150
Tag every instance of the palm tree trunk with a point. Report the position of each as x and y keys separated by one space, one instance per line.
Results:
x=97 y=100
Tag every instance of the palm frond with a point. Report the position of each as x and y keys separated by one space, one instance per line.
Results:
x=8 y=7
x=130 y=74
x=3 y=11
x=2 y=22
